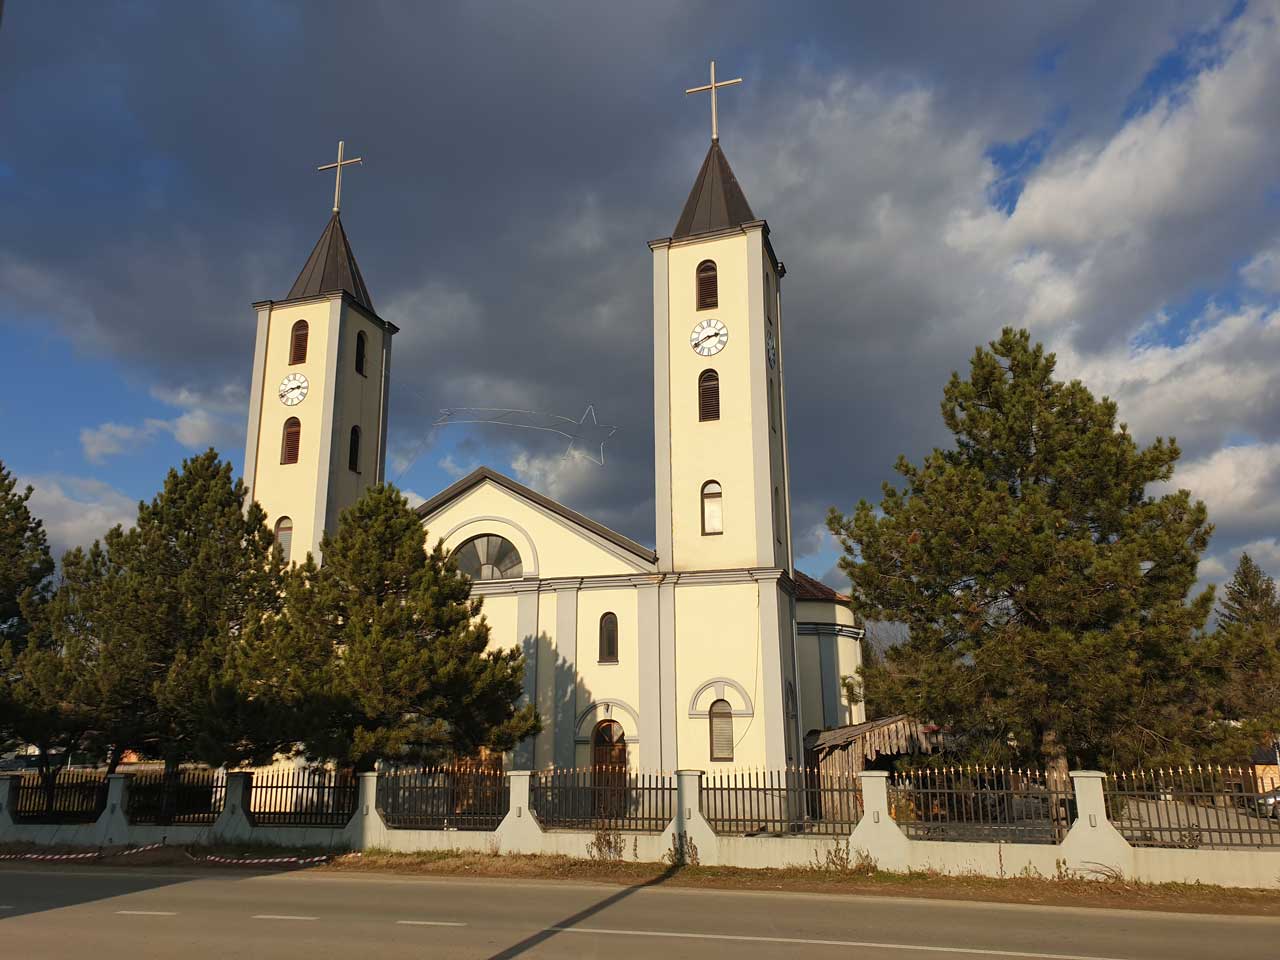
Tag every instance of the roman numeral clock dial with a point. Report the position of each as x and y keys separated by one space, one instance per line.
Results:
x=708 y=337
x=293 y=389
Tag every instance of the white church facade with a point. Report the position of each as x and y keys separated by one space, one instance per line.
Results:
x=708 y=650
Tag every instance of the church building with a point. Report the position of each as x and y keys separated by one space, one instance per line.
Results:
x=709 y=649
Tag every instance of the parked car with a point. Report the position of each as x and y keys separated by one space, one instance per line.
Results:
x=1269 y=804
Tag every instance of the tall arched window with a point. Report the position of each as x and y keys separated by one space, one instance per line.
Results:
x=291 y=440
x=284 y=536
x=298 y=343
x=353 y=451
x=708 y=395
x=708 y=286
x=721 y=715
x=712 y=509
x=489 y=557
x=609 y=638
x=361 y=347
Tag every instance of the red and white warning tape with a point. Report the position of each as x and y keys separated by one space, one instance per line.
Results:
x=92 y=855
x=262 y=861
x=132 y=850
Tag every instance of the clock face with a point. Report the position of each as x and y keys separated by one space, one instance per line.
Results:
x=293 y=389
x=708 y=337
x=771 y=349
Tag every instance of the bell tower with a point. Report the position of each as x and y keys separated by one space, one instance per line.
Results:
x=720 y=433
x=316 y=436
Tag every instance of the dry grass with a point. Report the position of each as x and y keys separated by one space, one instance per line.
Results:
x=858 y=880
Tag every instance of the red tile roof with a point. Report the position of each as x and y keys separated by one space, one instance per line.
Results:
x=808 y=588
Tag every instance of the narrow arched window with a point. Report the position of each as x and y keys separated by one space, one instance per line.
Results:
x=298 y=343
x=609 y=638
x=708 y=395
x=721 y=715
x=353 y=451
x=291 y=440
x=712 y=509
x=708 y=286
x=284 y=536
x=361 y=347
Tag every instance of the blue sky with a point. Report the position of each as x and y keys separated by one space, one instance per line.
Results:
x=1105 y=174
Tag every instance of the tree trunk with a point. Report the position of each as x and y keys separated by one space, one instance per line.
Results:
x=113 y=758
x=1058 y=780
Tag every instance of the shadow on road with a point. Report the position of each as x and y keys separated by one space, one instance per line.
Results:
x=528 y=943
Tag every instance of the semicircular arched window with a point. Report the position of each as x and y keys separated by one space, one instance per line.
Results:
x=489 y=557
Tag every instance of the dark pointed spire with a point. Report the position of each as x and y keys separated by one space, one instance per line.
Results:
x=332 y=267
x=716 y=202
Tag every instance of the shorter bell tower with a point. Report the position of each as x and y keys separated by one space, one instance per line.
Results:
x=316 y=435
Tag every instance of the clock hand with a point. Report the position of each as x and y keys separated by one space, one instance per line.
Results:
x=709 y=336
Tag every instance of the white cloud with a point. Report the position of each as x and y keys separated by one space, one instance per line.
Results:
x=1263 y=271
x=1240 y=485
x=563 y=478
x=415 y=499
x=78 y=510
x=210 y=420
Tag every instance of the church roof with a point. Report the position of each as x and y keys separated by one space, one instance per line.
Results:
x=332 y=267
x=808 y=588
x=716 y=202
x=481 y=474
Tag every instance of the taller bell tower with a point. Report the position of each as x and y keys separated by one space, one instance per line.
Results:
x=316 y=436
x=720 y=434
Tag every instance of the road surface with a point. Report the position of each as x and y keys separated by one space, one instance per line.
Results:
x=104 y=914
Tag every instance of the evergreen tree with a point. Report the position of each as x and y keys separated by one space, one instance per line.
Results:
x=1251 y=598
x=411 y=666
x=25 y=562
x=1045 y=593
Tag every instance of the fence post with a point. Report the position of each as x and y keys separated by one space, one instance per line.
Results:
x=519 y=832
x=8 y=802
x=689 y=838
x=113 y=825
x=234 y=823
x=877 y=834
x=366 y=829
x=1093 y=844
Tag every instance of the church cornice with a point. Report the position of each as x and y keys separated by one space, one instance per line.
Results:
x=762 y=225
x=347 y=299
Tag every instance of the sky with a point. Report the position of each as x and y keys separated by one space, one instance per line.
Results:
x=1105 y=174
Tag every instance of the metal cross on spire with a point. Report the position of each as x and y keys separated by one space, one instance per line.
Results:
x=337 y=180
x=713 y=86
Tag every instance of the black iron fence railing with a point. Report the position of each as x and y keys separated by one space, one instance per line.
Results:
x=70 y=796
x=982 y=803
x=186 y=796
x=443 y=798
x=778 y=802
x=303 y=797
x=1194 y=807
x=602 y=798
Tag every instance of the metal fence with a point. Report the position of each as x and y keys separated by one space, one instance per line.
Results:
x=73 y=796
x=187 y=796
x=1192 y=807
x=775 y=802
x=443 y=798
x=602 y=798
x=982 y=803
x=303 y=797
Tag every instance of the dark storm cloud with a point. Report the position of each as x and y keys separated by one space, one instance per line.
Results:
x=159 y=161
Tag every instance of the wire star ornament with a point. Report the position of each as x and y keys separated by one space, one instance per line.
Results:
x=584 y=435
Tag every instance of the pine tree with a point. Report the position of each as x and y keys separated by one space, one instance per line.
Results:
x=1045 y=593
x=412 y=668
x=25 y=562
x=1251 y=598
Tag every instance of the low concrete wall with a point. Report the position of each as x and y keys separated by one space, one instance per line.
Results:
x=1092 y=847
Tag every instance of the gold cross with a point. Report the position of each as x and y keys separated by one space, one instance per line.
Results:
x=713 y=86
x=337 y=183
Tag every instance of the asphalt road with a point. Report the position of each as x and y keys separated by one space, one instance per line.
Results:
x=101 y=914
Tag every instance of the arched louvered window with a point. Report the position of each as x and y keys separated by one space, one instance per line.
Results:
x=353 y=451
x=298 y=343
x=284 y=536
x=708 y=286
x=712 y=509
x=721 y=715
x=489 y=557
x=708 y=395
x=291 y=440
x=361 y=348
x=609 y=638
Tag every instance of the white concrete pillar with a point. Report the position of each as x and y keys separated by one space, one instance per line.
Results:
x=1093 y=843
x=233 y=823
x=876 y=833
x=113 y=825
x=367 y=829
x=688 y=826
x=519 y=832
x=8 y=802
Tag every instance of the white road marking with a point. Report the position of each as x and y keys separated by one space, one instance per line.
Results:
x=146 y=913
x=799 y=941
x=279 y=916
x=6 y=906
x=430 y=923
